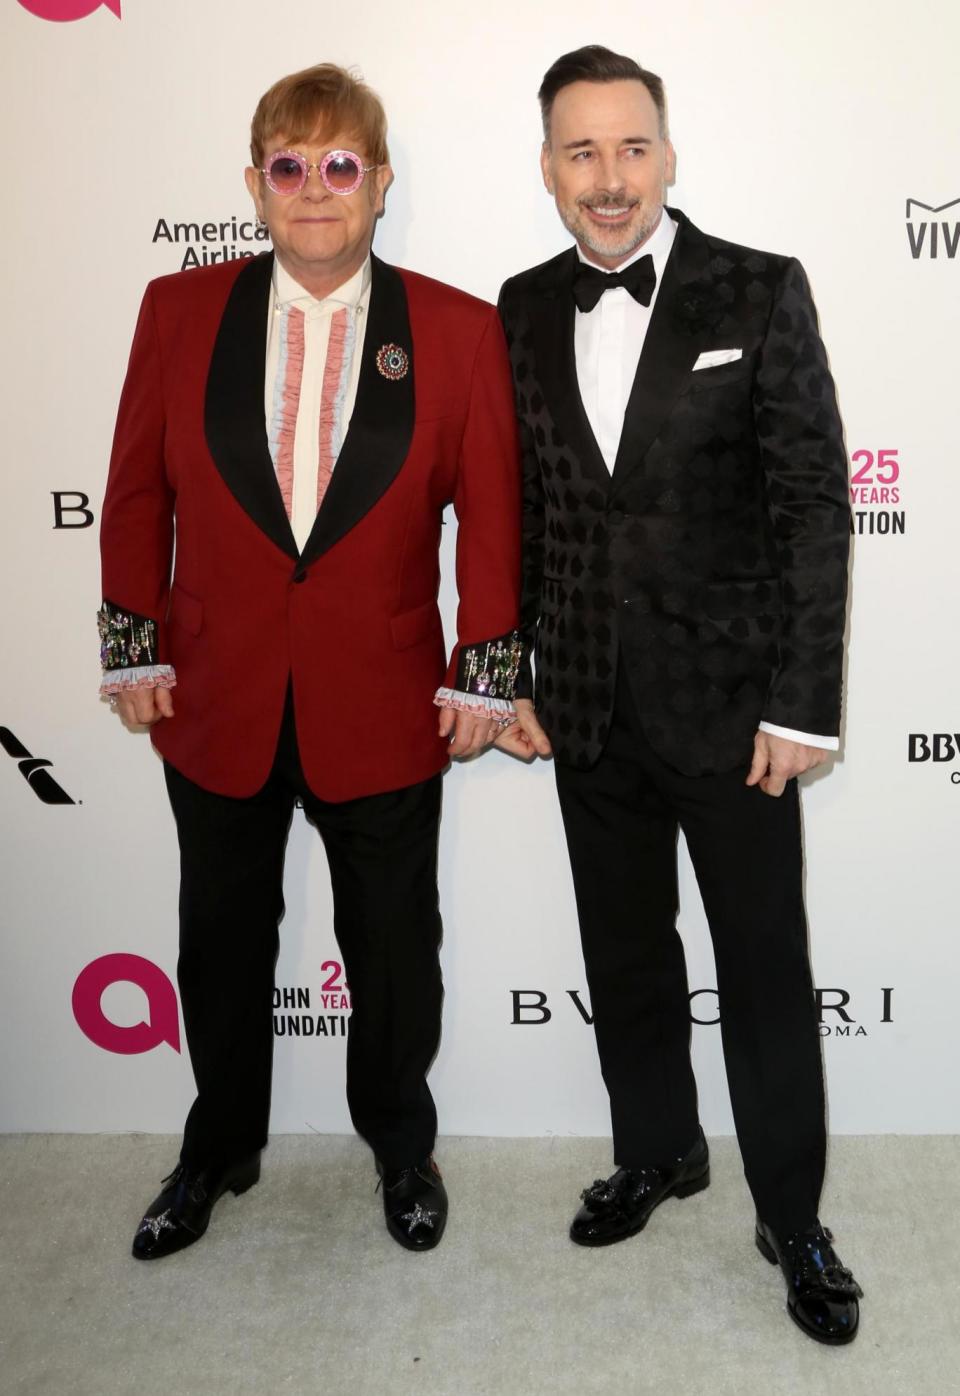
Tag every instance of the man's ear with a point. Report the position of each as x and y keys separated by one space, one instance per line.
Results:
x=251 y=178
x=670 y=166
x=545 y=168
x=383 y=178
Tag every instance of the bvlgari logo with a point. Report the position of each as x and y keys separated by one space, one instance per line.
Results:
x=929 y=233
x=835 y=1009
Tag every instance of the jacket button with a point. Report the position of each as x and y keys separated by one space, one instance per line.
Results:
x=299 y=576
x=616 y=516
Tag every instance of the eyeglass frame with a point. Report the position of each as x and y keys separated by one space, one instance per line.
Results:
x=321 y=168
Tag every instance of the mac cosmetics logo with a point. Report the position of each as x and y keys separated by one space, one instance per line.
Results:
x=162 y=1023
x=34 y=771
x=929 y=235
x=62 y=10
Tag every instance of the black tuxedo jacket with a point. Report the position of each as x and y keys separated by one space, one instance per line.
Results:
x=713 y=563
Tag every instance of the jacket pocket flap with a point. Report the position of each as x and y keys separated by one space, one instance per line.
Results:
x=410 y=627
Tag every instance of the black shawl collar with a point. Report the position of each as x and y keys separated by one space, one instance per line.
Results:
x=377 y=440
x=682 y=319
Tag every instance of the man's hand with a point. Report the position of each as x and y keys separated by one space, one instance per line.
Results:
x=524 y=738
x=142 y=707
x=467 y=733
x=776 y=760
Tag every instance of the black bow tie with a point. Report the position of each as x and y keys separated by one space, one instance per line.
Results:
x=589 y=283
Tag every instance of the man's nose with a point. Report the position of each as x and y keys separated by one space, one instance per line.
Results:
x=610 y=175
x=314 y=187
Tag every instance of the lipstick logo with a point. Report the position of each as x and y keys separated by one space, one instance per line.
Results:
x=61 y=11
x=163 y=1022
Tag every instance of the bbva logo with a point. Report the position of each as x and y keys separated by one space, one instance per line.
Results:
x=163 y=1016
x=63 y=10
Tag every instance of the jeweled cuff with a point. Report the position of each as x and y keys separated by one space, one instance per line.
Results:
x=497 y=709
x=126 y=639
x=489 y=670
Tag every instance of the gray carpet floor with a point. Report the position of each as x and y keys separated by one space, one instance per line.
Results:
x=298 y=1289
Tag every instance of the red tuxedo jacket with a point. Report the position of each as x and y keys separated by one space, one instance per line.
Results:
x=354 y=618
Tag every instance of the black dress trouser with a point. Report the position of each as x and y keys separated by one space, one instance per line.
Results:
x=382 y=854
x=621 y=820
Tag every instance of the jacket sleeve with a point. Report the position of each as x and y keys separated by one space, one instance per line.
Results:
x=136 y=530
x=808 y=505
x=532 y=520
x=483 y=666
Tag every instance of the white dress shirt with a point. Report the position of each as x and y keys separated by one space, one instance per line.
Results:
x=287 y=295
x=607 y=343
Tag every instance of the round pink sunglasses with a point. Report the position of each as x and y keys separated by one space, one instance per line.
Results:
x=342 y=171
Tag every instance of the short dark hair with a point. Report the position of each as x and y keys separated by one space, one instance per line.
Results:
x=594 y=63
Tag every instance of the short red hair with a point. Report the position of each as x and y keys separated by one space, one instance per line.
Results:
x=325 y=99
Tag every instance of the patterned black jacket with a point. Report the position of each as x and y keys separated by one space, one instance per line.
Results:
x=713 y=563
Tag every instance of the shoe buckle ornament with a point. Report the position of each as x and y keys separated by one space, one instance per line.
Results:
x=156 y=1224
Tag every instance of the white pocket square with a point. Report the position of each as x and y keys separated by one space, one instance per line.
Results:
x=711 y=357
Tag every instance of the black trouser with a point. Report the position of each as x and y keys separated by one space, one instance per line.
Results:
x=382 y=853
x=621 y=820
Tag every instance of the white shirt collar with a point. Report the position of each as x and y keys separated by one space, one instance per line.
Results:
x=288 y=291
x=657 y=245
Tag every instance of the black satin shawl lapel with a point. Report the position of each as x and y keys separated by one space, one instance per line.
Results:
x=679 y=326
x=552 y=312
x=381 y=427
x=234 y=420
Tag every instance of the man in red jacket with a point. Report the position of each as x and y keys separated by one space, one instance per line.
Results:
x=300 y=420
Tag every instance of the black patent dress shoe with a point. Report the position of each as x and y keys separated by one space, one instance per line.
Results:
x=415 y=1204
x=822 y=1294
x=181 y=1213
x=620 y=1206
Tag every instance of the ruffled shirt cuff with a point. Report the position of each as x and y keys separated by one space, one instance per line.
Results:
x=139 y=676
x=497 y=709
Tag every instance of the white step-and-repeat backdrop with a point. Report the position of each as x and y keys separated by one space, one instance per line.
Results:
x=828 y=132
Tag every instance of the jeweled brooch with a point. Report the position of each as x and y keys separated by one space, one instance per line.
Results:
x=393 y=363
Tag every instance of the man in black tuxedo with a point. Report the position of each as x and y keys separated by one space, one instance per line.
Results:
x=686 y=526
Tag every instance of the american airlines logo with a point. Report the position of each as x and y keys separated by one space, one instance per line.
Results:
x=931 y=236
x=34 y=771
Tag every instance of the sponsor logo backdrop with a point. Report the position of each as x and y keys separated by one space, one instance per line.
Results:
x=126 y=136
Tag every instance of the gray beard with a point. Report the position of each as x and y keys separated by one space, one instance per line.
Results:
x=576 y=225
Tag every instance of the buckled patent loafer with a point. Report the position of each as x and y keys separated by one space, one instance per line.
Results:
x=415 y=1204
x=822 y=1295
x=621 y=1205
x=180 y=1214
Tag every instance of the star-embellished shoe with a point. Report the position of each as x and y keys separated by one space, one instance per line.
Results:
x=822 y=1295
x=181 y=1213
x=620 y=1206
x=415 y=1204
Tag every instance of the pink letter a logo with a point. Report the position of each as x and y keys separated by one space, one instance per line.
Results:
x=164 y=1019
x=60 y=10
